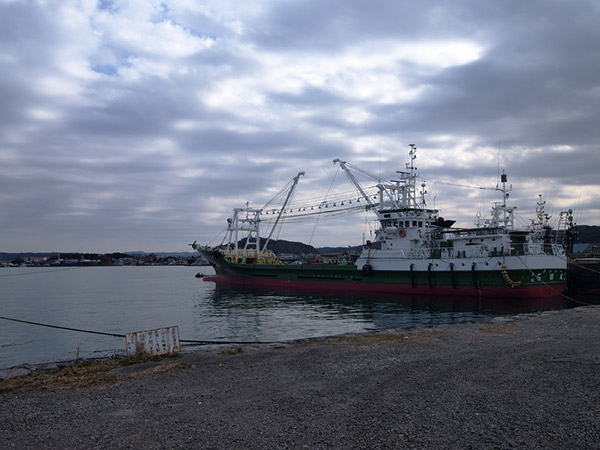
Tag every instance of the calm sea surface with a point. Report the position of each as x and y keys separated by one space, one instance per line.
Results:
x=126 y=299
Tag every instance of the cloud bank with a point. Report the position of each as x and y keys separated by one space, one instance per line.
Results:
x=139 y=125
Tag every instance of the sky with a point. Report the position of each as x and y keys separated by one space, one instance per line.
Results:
x=140 y=125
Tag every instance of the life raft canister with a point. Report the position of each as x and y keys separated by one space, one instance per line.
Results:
x=402 y=232
x=367 y=269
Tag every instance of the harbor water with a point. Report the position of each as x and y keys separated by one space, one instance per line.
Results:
x=126 y=299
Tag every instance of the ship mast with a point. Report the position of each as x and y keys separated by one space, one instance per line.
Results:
x=502 y=215
x=406 y=186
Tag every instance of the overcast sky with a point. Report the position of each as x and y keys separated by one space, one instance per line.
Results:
x=139 y=125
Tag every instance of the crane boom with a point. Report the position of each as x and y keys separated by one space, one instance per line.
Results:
x=354 y=181
x=287 y=200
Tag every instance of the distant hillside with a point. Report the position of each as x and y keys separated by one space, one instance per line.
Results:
x=354 y=249
x=588 y=234
x=298 y=248
x=282 y=246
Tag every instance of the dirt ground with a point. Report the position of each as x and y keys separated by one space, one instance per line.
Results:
x=528 y=382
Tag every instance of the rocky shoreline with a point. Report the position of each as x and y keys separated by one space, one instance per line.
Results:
x=527 y=381
x=24 y=370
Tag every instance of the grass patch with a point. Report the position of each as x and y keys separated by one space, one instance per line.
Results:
x=145 y=357
x=500 y=329
x=91 y=374
x=384 y=338
x=233 y=351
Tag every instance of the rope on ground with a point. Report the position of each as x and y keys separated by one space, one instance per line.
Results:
x=187 y=341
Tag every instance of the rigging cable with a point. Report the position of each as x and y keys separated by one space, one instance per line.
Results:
x=319 y=214
x=224 y=230
x=552 y=288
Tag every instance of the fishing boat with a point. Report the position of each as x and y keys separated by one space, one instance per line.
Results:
x=414 y=251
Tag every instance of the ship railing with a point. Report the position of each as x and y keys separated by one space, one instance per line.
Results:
x=478 y=252
x=250 y=256
x=538 y=249
x=535 y=249
x=475 y=232
x=422 y=253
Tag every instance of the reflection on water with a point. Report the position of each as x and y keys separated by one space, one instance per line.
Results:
x=250 y=296
x=281 y=314
x=126 y=299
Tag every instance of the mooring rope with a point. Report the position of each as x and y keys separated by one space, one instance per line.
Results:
x=79 y=330
x=552 y=288
x=187 y=341
x=583 y=266
x=40 y=271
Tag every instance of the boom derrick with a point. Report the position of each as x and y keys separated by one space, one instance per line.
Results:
x=393 y=195
x=246 y=223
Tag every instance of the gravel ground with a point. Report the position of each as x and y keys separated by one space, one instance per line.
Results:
x=529 y=381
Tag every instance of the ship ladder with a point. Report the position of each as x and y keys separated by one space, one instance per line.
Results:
x=429 y=275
